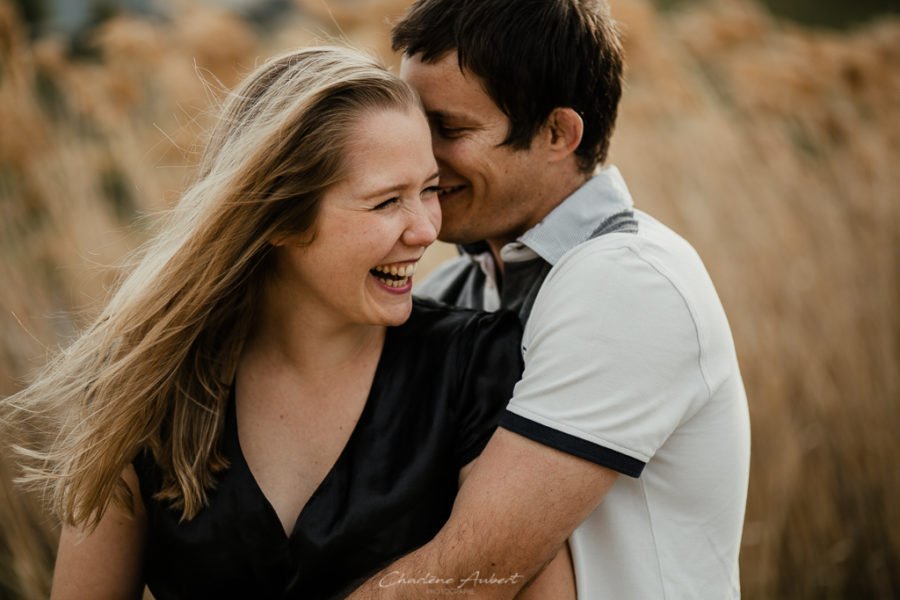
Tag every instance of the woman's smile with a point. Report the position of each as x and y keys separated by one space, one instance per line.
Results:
x=396 y=278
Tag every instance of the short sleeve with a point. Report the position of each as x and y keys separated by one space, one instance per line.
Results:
x=611 y=357
x=147 y=473
x=489 y=349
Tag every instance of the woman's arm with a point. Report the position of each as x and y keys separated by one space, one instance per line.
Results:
x=105 y=564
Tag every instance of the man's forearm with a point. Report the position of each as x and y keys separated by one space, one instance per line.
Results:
x=459 y=560
x=439 y=568
x=508 y=521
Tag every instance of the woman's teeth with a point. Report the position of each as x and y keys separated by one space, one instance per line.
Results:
x=404 y=271
x=394 y=276
x=392 y=283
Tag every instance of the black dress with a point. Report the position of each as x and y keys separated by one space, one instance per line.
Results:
x=442 y=381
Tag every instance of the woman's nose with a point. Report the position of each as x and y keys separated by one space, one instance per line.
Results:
x=424 y=222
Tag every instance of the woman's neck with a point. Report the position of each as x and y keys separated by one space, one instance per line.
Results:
x=302 y=338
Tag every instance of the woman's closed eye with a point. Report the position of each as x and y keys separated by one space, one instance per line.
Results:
x=432 y=189
x=386 y=203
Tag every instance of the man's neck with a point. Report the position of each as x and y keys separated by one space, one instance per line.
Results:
x=552 y=200
x=496 y=246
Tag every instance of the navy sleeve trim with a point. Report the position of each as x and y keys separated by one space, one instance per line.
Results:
x=572 y=445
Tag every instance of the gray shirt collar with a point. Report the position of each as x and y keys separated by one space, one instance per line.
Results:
x=575 y=218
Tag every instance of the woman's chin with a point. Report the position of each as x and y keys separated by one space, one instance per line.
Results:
x=397 y=313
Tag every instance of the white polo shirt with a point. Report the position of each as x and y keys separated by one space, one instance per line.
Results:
x=630 y=363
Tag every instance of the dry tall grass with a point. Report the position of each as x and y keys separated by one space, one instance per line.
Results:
x=772 y=148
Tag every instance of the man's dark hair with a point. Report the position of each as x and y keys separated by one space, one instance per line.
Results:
x=532 y=56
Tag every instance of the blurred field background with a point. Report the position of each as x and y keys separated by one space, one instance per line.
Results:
x=773 y=146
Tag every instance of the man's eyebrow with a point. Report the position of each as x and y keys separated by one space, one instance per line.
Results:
x=441 y=115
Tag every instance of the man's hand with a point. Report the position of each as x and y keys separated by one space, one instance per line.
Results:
x=512 y=516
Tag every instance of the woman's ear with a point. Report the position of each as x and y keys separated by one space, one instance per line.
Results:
x=279 y=239
x=564 y=128
x=289 y=238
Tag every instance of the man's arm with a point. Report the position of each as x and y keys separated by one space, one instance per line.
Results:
x=556 y=580
x=512 y=516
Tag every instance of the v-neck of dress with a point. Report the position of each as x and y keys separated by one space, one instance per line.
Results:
x=240 y=460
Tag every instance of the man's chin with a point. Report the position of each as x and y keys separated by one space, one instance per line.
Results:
x=458 y=238
x=460 y=229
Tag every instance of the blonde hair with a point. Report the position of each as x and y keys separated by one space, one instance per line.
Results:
x=154 y=371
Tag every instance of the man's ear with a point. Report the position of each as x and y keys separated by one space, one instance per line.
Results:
x=563 y=131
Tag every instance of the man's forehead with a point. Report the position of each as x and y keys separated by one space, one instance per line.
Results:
x=449 y=92
x=443 y=67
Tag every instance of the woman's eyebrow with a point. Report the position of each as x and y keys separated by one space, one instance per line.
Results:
x=394 y=187
x=397 y=187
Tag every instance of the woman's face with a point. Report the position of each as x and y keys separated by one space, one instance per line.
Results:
x=372 y=227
